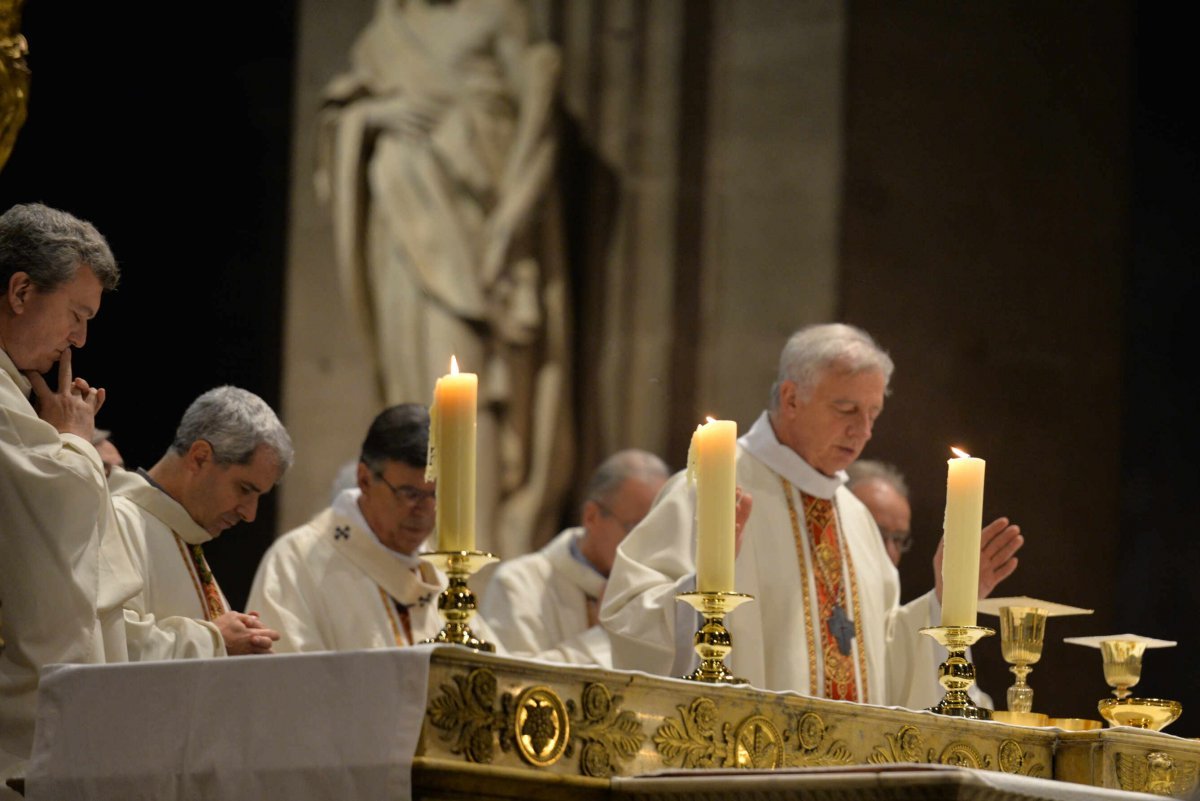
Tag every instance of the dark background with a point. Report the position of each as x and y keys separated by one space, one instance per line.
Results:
x=172 y=135
x=174 y=139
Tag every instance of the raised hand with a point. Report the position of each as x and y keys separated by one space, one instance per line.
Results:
x=72 y=408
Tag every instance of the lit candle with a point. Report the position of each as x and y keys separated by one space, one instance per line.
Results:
x=711 y=465
x=452 y=457
x=962 y=527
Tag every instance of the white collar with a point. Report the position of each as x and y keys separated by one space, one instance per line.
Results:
x=10 y=367
x=760 y=441
x=346 y=505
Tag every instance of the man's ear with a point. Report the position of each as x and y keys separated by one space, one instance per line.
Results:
x=362 y=476
x=20 y=288
x=591 y=514
x=198 y=454
x=787 y=396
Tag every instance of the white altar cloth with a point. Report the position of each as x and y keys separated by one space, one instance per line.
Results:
x=290 y=726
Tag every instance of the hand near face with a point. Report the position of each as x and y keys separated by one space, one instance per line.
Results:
x=998 y=546
x=72 y=408
x=245 y=634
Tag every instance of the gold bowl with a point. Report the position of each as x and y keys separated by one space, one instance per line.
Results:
x=1021 y=718
x=1076 y=724
x=1141 y=713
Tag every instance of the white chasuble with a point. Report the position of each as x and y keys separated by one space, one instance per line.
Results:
x=170 y=617
x=331 y=585
x=780 y=640
x=62 y=572
x=538 y=605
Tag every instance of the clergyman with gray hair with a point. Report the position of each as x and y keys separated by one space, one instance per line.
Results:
x=56 y=521
x=546 y=604
x=229 y=450
x=826 y=620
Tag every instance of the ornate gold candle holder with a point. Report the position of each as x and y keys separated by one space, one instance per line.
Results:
x=1022 y=634
x=956 y=674
x=712 y=641
x=1122 y=655
x=456 y=604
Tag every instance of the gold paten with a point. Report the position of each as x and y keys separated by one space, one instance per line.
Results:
x=456 y=604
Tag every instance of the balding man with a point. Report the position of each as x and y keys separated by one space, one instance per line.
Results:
x=882 y=489
x=546 y=604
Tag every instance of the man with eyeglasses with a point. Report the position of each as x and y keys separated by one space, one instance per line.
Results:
x=883 y=490
x=351 y=577
x=546 y=604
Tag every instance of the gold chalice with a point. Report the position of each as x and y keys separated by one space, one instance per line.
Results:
x=1122 y=655
x=1022 y=629
x=1022 y=633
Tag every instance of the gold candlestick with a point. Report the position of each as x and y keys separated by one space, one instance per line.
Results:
x=712 y=641
x=456 y=604
x=956 y=674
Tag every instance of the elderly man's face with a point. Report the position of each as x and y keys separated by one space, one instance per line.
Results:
x=830 y=428
x=609 y=523
x=399 y=505
x=892 y=514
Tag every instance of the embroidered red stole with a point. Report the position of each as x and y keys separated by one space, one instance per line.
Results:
x=836 y=629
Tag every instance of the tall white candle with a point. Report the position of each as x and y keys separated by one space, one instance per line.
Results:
x=963 y=524
x=452 y=457
x=711 y=463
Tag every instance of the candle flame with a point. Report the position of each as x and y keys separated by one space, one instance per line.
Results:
x=709 y=418
x=453 y=365
x=961 y=454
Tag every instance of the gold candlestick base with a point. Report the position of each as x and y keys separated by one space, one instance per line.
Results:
x=956 y=674
x=712 y=641
x=456 y=604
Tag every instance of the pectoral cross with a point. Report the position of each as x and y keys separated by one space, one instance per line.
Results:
x=842 y=629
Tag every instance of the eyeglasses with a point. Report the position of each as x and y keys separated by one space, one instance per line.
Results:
x=604 y=510
x=903 y=540
x=408 y=493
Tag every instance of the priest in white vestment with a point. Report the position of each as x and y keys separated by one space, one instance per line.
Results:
x=546 y=604
x=229 y=450
x=60 y=600
x=351 y=577
x=826 y=619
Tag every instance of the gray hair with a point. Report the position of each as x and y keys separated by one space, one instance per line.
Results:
x=234 y=422
x=814 y=348
x=869 y=469
x=50 y=245
x=619 y=468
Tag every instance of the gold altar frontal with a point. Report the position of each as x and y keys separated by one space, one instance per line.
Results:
x=498 y=727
